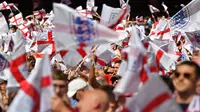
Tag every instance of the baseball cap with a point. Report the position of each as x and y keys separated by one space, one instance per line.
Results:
x=74 y=86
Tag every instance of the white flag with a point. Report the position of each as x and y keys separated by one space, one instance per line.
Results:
x=72 y=30
x=194 y=37
x=3 y=24
x=136 y=69
x=154 y=96
x=36 y=92
x=111 y=17
x=153 y=9
x=187 y=19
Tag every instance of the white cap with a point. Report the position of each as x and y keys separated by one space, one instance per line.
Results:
x=74 y=86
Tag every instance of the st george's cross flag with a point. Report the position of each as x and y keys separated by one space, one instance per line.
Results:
x=162 y=58
x=187 y=19
x=72 y=58
x=137 y=70
x=39 y=14
x=16 y=20
x=161 y=30
x=4 y=6
x=18 y=71
x=36 y=91
x=111 y=17
x=154 y=96
x=73 y=30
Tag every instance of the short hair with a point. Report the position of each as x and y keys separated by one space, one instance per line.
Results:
x=108 y=89
x=192 y=63
x=59 y=75
x=118 y=61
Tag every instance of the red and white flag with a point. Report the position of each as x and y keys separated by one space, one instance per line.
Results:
x=104 y=54
x=39 y=14
x=162 y=58
x=24 y=30
x=44 y=43
x=161 y=30
x=72 y=58
x=16 y=20
x=153 y=9
x=111 y=17
x=187 y=19
x=80 y=31
x=18 y=71
x=4 y=6
x=154 y=96
x=36 y=91
x=137 y=67
x=84 y=12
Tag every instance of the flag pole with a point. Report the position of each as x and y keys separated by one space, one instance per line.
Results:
x=86 y=57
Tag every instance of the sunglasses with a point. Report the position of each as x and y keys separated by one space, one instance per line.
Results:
x=185 y=75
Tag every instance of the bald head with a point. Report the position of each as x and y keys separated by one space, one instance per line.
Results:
x=94 y=101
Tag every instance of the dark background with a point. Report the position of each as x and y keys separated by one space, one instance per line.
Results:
x=138 y=7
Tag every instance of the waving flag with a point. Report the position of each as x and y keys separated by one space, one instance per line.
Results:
x=16 y=20
x=162 y=58
x=187 y=19
x=194 y=104
x=161 y=30
x=24 y=30
x=18 y=68
x=39 y=14
x=3 y=24
x=90 y=4
x=71 y=58
x=84 y=12
x=153 y=9
x=194 y=37
x=111 y=17
x=158 y=99
x=137 y=70
x=73 y=31
x=36 y=91
x=4 y=6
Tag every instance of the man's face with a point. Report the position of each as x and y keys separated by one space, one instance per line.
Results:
x=116 y=67
x=184 y=78
x=60 y=87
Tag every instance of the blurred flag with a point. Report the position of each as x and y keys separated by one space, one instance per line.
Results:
x=154 y=96
x=153 y=9
x=3 y=24
x=111 y=17
x=187 y=19
x=36 y=91
x=80 y=31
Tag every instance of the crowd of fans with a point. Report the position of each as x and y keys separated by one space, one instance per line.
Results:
x=90 y=89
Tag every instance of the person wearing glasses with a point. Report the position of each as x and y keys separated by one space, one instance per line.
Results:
x=184 y=80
